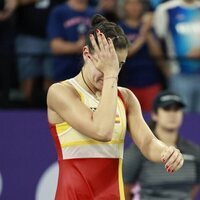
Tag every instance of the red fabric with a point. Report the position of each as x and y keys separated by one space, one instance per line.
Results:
x=122 y=98
x=88 y=179
x=56 y=141
x=146 y=96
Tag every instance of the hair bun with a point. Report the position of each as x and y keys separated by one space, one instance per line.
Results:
x=98 y=19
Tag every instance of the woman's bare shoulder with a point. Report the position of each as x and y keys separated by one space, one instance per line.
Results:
x=129 y=97
x=126 y=93
x=62 y=90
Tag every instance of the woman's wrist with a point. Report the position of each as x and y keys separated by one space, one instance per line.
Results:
x=111 y=73
x=110 y=77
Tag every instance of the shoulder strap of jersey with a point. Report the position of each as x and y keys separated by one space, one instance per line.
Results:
x=122 y=98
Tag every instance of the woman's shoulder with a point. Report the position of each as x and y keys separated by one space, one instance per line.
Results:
x=127 y=94
x=62 y=89
x=131 y=101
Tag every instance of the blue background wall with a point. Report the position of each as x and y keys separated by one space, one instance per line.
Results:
x=27 y=150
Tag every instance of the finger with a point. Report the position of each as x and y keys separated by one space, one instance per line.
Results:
x=100 y=40
x=111 y=45
x=172 y=158
x=180 y=162
x=105 y=43
x=95 y=57
x=172 y=167
x=167 y=153
x=94 y=44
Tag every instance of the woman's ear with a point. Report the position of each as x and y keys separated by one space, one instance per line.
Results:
x=85 y=49
x=85 y=52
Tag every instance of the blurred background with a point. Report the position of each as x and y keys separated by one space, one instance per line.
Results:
x=41 y=43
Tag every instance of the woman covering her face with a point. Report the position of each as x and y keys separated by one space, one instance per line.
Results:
x=88 y=115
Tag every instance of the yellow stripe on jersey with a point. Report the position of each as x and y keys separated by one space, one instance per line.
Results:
x=117 y=119
x=71 y=140
x=62 y=127
x=120 y=181
x=85 y=142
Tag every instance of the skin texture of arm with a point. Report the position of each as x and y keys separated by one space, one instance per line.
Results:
x=148 y=144
x=60 y=46
x=195 y=191
x=194 y=53
x=152 y=148
x=156 y=51
x=136 y=46
x=67 y=104
x=8 y=10
x=26 y=2
x=127 y=191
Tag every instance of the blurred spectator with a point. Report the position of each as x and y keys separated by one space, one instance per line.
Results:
x=93 y=3
x=141 y=73
x=7 y=25
x=109 y=9
x=34 y=57
x=154 y=181
x=178 y=23
x=67 y=27
x=154 y=3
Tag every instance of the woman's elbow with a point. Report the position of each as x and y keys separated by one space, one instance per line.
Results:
x=104 y=136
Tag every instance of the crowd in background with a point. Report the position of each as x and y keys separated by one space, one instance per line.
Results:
x=41 y=43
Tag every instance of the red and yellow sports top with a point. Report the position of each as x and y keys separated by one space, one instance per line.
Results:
x=90 y=169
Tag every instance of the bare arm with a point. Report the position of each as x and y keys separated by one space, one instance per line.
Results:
x=195 y=191
x=26 y=2
x=156 y=51
x=65 y=102
x=152 y=148
x=60 y=46
x=194 y=53
x=148 y=144
x=136 y=46
x=8 y=10
x=127 y=191
x=141 y=39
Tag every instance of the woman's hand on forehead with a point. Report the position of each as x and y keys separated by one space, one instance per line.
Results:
x=104 y=57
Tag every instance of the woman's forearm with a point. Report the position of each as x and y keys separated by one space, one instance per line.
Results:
x=106 y=111
x=154 y=149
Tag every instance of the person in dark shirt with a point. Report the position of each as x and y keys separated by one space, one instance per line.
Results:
x=154 y=182
x=68 y=24
x=109 y=9
x=141 y=72
x=34 y=57
x=7 y=25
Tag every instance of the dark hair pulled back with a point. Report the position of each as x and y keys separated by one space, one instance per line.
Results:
x=110 y=30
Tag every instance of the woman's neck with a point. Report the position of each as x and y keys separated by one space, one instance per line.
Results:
x=86 y=84
x=167 y=136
